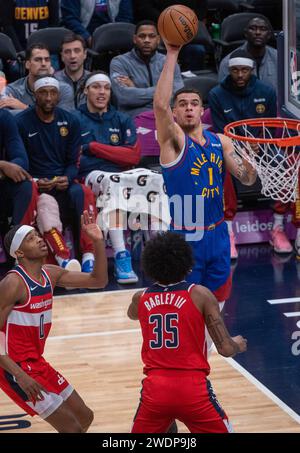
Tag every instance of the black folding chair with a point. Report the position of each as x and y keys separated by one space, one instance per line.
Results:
x=8 y=55
x=51 y=36
x=203 y=83
x=108 y=41
x=7 y=48
x=232 y=34
x=217 y=10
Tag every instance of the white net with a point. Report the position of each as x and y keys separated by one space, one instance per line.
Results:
x=275 y=154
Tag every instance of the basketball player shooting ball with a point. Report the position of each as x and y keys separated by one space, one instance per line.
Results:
x=193 y=163
x=25 y=322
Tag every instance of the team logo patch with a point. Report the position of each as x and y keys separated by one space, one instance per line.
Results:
x=260 y=108
x=63 y=131
x=114 y=138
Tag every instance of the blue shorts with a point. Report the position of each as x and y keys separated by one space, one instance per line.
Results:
x=212 y=261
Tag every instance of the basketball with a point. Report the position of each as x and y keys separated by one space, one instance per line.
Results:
x=177 y=25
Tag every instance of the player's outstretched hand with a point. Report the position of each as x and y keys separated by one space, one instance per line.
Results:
x=241 y=342
x=89 y=226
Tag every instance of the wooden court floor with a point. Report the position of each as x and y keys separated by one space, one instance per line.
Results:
x=97 y=348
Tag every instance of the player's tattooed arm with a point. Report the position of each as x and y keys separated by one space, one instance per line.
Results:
x=220 y=336
x=208 y=305
x=237 y=166
x=241 y=169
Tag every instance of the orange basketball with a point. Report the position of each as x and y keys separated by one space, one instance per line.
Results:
x=177 y=25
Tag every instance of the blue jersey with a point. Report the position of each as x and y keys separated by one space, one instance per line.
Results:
x=111 y=128
x=198 y=173
x=53 y=148
x=29 y=17
x=11 y=146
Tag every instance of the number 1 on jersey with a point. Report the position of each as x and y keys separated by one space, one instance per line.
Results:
x=210 y=176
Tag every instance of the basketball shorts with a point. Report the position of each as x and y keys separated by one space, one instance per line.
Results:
x=186 y=396
x=212 y=262
x=41 y=371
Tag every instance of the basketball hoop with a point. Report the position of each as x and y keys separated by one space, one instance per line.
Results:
x=272 y=147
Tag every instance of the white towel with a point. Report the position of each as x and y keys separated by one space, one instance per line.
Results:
x=138 y=191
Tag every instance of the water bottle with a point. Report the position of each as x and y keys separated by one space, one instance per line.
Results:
x=215 y=30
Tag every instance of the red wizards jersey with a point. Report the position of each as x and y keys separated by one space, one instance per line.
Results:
x=173 y=329
x=28 y=325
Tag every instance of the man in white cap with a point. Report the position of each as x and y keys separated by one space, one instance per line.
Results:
x=241 y=95
x=258 y=33
x=52 y=139
x=109 y=144
x=25 y=322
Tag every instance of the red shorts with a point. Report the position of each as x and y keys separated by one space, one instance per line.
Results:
x=57 y=386
x=183 y=395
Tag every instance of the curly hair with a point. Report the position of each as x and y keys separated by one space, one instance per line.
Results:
x=167 y=258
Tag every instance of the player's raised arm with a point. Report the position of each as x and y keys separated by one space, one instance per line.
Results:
x=96 y=279
x=170 y=136
x=206 y=302
x=237 y=166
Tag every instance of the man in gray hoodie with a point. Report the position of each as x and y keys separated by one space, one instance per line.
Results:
x=134 y=75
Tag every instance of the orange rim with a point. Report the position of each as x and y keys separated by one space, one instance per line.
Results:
x=268 y=122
